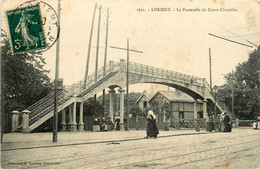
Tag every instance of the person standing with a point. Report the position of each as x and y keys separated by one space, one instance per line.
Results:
x=226 y=121
x=117 y=120
x=151 y=130
x=211 y=122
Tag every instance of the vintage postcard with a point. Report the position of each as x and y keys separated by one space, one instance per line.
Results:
x=130 y=84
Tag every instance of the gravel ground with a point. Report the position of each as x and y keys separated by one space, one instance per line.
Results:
x=173 y=149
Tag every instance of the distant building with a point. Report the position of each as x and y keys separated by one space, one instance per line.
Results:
x=176 y=105
x=173 y=107
x=142 y=100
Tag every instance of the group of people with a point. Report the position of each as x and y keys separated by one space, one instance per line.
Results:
x=103 y=124
x=223 y=125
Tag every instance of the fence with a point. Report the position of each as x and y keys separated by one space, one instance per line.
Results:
x=141 y=123
x=243 y=123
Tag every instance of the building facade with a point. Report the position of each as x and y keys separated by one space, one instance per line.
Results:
x=176 y=108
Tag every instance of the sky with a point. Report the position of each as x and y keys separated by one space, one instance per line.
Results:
x=176 y=40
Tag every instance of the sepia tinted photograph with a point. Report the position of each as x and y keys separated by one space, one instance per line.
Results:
x=100 y=84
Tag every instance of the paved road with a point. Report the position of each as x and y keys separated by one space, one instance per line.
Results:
x=239 y=149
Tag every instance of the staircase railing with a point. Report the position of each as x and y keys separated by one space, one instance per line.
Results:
x=45 y=105
x=224 y=107
x=62 y=99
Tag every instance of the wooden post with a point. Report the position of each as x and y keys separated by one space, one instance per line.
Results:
x=89 y=47
x=55 y=116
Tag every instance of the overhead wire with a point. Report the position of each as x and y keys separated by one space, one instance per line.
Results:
x=229 y=31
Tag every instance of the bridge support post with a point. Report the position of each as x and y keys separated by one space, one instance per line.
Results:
x=111 y=63
x=81 y=124
x=205 y=115
x=63 y=120
x=111 y=103
x=196 y=125
x=25 y=116
x=72 y=117
x=122 y=108
x=15 y=120
x=122 y=65
x=195 y=110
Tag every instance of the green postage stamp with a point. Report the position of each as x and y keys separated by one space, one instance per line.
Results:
x=26 y=31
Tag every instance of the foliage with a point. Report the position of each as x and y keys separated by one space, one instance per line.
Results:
x=92 y=108
x=132 y=98
x=245 y=82
x=24 y=80
x=135 y=110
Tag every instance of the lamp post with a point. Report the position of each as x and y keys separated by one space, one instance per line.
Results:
x=215 y=91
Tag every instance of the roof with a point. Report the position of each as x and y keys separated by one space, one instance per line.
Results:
x=174 y=96
x=148 y=95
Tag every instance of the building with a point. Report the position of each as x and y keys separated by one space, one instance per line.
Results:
x=142 y=100
x=177 y=108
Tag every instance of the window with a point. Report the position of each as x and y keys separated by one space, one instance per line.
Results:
x=181 y=115
x=145 y=104
x=200 y=114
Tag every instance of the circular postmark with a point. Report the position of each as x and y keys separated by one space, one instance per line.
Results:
x=33 y=26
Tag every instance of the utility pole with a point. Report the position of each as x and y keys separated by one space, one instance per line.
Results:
x=127 y=86
x=55 y=116
x=89 y=48
x=127 y=77
x=232 y=93
x=97 y=49
x=210 y=73
x=105 y=61
x=1 y=101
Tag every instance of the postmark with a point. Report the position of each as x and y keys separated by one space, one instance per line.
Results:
x=33 y=27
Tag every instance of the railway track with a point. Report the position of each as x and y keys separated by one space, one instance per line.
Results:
x=131 y=157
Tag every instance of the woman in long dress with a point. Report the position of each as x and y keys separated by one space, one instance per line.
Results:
x=227 y=125
x=28 y=40
x=152 y=129
x=117 y=120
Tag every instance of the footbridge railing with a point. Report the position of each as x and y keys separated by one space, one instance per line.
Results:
x=164 y=74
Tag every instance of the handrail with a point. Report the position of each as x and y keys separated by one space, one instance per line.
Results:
x=162 y=73
x=61 y=100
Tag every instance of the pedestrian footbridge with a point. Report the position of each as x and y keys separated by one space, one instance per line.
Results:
x=114 y=76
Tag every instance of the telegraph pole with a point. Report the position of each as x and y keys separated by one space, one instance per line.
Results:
x=89 y=47
x=127 y=85
x=105 y=61
x=232 y=93
x=55 y=116
x=127 y=76
x=1 y=101
x=210 y=73
x=97 y=49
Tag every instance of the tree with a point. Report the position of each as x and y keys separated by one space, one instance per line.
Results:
x=24 y=80
x=135 y=110
x=132 y=99
x=245 y=82
x=93 y=108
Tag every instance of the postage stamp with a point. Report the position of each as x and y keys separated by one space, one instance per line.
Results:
x=33 y=27
x=26 y=31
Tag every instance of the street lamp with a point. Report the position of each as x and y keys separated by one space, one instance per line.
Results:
x=215 y=91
